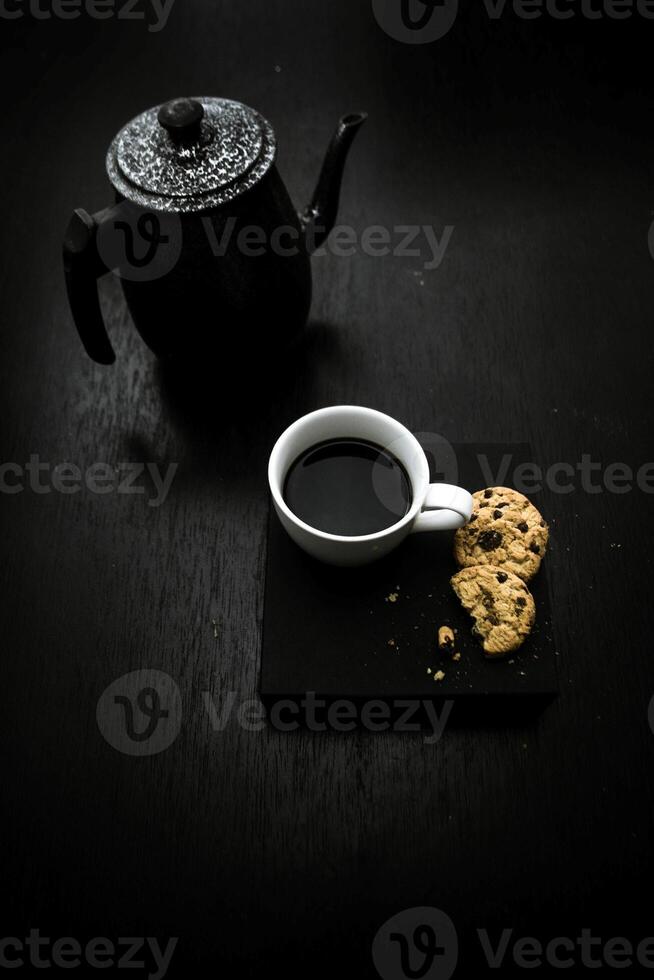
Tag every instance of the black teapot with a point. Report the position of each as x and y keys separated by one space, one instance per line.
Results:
x=212 y=256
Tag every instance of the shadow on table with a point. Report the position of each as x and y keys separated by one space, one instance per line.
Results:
x=225 y=418
x=251 y=393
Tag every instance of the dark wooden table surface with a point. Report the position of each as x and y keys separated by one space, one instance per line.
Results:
x=532 y=138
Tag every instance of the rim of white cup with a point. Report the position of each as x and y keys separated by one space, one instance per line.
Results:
x=277 y=494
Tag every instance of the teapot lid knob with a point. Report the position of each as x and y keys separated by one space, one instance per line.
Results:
x=181 y=118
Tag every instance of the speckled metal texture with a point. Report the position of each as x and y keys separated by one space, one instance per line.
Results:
x=235 y=149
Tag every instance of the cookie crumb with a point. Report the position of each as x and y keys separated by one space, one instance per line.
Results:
x=391 y=597
x=456 y=656
x=391 y=643
x=446 y=639
x=439 y=675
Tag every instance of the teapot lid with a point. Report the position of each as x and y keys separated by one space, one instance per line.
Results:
x=190 y=154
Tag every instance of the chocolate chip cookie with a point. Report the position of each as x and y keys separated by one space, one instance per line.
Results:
x=505 y=529
x=500 y=603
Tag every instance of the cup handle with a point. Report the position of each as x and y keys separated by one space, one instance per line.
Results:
x=445 y=507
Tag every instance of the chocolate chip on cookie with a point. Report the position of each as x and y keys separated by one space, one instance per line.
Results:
x=489 y=540
x=501 y=605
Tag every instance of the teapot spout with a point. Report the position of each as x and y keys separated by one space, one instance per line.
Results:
x=319 y=218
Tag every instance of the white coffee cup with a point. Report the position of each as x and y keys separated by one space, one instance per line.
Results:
x=434 y=507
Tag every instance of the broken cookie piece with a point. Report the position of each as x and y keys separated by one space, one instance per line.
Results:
x=500 y=603
x=446 y=639
x=446 y=642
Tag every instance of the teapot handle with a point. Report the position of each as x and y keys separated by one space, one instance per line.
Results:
x=82 y=268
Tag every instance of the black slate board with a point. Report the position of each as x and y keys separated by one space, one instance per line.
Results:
x=328 y=630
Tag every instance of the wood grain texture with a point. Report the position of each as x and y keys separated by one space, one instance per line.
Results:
x=258 y=847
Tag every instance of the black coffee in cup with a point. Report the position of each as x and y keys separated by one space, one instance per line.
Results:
x=348 y=486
